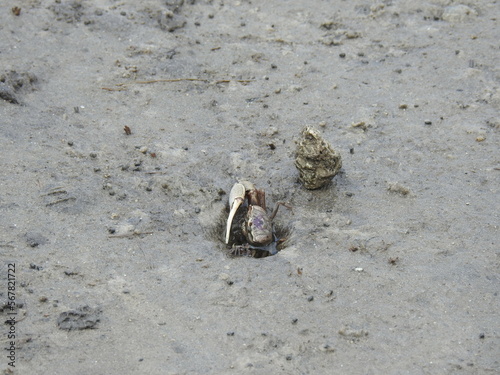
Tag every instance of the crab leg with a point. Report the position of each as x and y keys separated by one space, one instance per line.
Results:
x=236 y=198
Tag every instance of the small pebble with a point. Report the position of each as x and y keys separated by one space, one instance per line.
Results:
x=360 y=124
x=310 y=298
x=428 y=122
x=396 y=187
x=271 y=131
x=327 y=348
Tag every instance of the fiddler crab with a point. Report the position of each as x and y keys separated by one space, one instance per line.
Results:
x=257 y=228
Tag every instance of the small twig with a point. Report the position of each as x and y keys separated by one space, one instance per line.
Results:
x=121 y=86
x=56 y=190
x=125 y=235
x=60 y=201
x=113 y=89
x=162 y=80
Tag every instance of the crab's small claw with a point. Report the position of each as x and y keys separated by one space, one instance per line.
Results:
x=236 y=198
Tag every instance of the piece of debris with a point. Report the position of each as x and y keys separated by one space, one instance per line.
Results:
x=352 y=332
x=396 y=187
x=327 y=348
x=480 y=138
x=84 y=317
x=393 y=261
x=361 y=125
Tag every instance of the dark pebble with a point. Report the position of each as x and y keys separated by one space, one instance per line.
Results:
x=7 y=94
x=34 y=239
x=33 y=266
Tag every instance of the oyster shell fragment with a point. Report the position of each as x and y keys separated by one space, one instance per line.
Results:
x=315 y=159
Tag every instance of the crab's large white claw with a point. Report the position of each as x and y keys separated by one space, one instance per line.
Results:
x=236 y=198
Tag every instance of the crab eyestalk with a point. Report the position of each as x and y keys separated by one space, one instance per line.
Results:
x=236 y=198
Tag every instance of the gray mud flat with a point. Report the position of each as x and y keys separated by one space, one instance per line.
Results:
x=391 y=269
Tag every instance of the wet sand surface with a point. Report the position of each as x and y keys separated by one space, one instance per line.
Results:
x=125 y=124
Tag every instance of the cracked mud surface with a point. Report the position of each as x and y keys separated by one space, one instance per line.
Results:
x=392 y=268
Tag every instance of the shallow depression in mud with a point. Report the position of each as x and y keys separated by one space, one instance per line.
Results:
x=238 y=246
